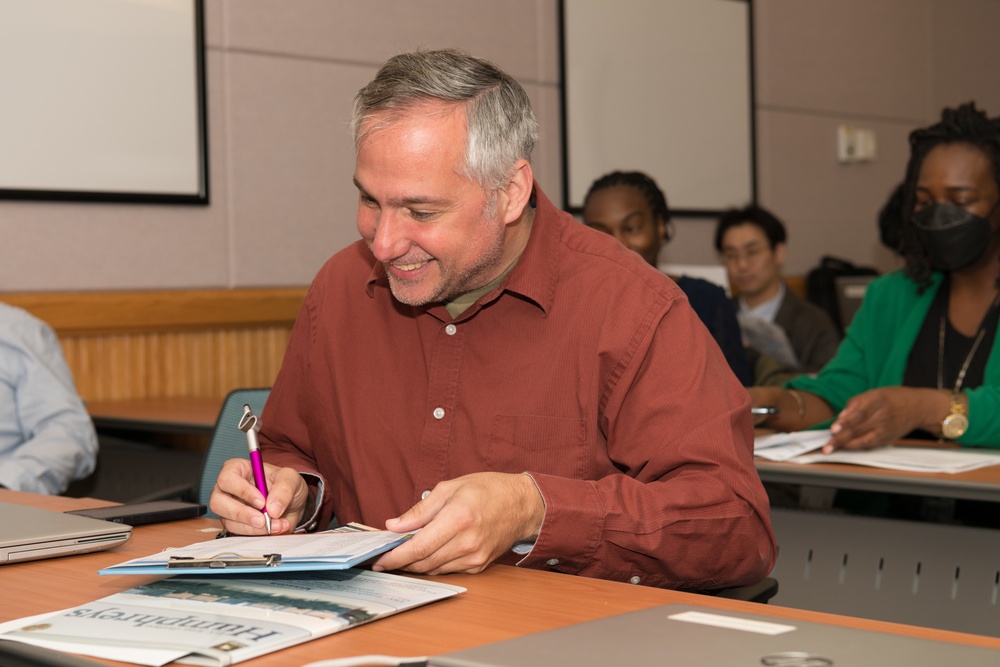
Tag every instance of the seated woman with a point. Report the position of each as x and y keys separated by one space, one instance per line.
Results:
x=917 y=359
x=633 y=209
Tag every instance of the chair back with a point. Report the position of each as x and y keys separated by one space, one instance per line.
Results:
x=228 y=441
x=761 y=592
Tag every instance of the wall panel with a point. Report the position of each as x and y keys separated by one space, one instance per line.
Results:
x=204 y=343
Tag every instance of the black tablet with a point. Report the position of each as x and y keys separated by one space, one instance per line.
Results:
x=138 y=514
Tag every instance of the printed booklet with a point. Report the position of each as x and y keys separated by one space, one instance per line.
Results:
x=224 y=619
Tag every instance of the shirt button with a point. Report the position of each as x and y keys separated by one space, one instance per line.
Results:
x=634 y=580
x=450 y=329
x=552 y=562
x=425 y=494
x=438 y=413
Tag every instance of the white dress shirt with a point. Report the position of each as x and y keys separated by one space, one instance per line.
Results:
x=767 y=310
x=47 y=438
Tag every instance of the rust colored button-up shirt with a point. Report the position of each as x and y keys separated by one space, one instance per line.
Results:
x=586 y=368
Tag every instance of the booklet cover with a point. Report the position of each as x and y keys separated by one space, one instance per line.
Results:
x=223 y=620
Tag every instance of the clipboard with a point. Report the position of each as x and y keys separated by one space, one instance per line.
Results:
x=224 y=560
x=334 y=550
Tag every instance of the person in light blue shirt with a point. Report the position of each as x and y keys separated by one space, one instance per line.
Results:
x=47 y=439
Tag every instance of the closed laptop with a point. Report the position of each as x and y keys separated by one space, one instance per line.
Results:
x=30 y=533
x=691 y=635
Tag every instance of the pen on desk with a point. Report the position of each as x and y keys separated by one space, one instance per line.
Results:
x=250 y=425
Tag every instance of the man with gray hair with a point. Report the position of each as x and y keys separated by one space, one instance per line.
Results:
x=520 y=388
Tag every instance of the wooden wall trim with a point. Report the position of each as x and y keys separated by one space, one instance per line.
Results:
x=99 y=313
x=798 y=286
x=102 y=313
x=167 y=343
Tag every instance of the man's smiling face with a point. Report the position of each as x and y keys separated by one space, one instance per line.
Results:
x=437 y=232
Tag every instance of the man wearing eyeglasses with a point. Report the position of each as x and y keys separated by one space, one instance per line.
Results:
x=791 y=335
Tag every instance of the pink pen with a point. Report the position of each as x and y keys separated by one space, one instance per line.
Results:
x=251 y=425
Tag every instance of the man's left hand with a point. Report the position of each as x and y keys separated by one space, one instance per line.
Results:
x=466 y=523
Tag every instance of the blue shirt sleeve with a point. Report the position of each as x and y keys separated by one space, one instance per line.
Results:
x=47 y=439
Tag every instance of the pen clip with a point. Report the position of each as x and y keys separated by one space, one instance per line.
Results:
x=223 y=561
x=249 y=423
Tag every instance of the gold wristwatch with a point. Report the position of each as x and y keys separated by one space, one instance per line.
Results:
x=956 y=423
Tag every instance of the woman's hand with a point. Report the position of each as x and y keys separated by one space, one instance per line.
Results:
x=879 y=416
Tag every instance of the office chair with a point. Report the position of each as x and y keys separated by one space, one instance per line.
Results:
x=761 y=592
x=228 y=441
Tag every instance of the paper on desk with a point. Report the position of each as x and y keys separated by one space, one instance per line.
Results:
x=910 y=459
x=316 y=551
x=217 y=621
x=784 y=446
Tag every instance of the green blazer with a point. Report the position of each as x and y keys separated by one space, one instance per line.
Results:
x=877 y=346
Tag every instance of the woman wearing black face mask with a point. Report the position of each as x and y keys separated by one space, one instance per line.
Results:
x=919 y=357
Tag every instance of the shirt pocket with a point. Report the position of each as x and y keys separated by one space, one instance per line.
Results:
x=537 y=443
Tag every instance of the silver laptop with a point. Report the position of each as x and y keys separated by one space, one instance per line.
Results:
x=689 y=635
x=30 y=533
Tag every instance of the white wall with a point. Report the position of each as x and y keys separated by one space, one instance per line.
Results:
x=885 y=65
x=281 y=76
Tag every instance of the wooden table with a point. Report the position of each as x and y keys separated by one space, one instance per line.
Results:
x=827 y=562
x=161 y=415
x=500 y=603
x=981 y=484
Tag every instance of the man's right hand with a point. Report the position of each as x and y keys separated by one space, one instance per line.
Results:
x=238 y=503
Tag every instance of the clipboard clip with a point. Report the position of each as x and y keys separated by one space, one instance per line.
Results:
x=223 y=561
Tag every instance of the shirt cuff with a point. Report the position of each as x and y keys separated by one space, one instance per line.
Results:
x=307 y=524
x=524 y=547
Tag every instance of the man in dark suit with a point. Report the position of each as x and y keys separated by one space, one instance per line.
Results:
x=777 y=324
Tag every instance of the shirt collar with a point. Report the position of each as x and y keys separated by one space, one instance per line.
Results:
x=537 y=271
x=767 y=310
